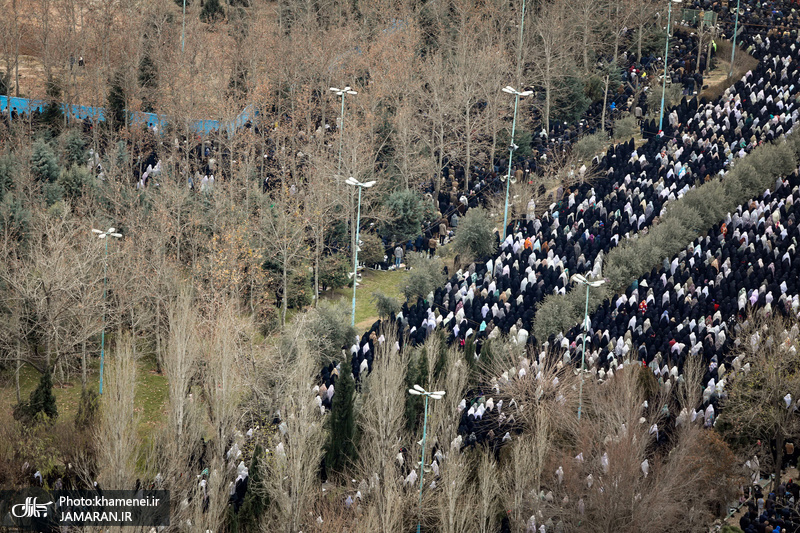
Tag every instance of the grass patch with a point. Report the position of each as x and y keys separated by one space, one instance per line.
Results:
x=717 y=80
x=151 y=393
x=385 y=281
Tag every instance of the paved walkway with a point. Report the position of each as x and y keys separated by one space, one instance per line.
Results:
x=786 y=475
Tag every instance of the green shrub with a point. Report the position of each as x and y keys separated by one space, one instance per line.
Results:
x=425 y=275
x=686 y=218
x=387 y=306
x=671 y=99
x=74 y=181
x=626 y=128
x=558 y=313
x=7 y=171
x=474 y=238
x=329 y=329
x=211 y=12
x=74 y=148
x=590 y=145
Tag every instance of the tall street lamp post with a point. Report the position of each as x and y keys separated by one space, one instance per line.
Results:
x=735 y=31
x=342 y=93
x=510 y=90
x=355 y=183
x=666 y=64
x=104 y=235
x=436 y=395
x=583 y=281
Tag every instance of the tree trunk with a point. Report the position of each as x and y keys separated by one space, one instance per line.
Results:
x=469 y=147
x=616 y=39
x=316 y=269
x=779 y=440
x=639 y=44
x=493 y=149
x=178 y=238
x=16 y=373
x=284 y=302
x=546 y=109
x=158 y=336
x=605 y=102
x=440 y=160
x=16 y=50
x=83 y=365
x=586 y=48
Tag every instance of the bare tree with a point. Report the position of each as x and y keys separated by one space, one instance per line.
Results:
x=381 y=424
x=48 y=283
x=762 y=401
x=291 y=476
x=119 y=419
x=551 y=48
x=179 y=361
x=284 y=234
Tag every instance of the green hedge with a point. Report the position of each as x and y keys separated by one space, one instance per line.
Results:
x=696 y=212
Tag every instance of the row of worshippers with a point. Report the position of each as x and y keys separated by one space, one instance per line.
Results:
x=493 y=274
x=692 y=304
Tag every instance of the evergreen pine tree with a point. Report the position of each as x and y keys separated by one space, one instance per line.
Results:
x=74 y=148
x=44 y=164
x=148 y=80
x=341 y=449
x=87 y=409
x=42 y=400
x=74 y=180
x=52 y=192
x=7 y=172
x=255 y=500
x=52 y=115
x=14 y=216
x=116 y=100
x=211 y=11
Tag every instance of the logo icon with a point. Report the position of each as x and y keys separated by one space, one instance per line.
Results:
x=30 y=509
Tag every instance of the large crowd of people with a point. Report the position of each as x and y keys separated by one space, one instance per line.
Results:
x=690 y=305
